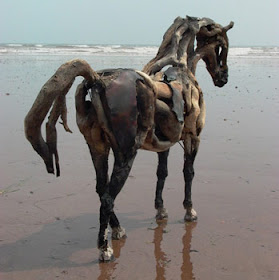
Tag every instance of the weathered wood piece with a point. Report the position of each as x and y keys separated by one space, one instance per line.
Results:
x=129 y=110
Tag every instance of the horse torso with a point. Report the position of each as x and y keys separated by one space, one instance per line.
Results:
x=179 y=109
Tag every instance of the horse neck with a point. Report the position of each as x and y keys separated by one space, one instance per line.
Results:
x=192 y=61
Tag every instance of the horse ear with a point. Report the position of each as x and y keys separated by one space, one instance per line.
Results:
x=228 y=27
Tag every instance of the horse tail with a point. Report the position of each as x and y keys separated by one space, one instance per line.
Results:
x=53 y=94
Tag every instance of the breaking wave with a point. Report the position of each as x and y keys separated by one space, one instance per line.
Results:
x=120 y=50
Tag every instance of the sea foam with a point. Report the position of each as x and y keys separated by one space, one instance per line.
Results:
x=121 y=50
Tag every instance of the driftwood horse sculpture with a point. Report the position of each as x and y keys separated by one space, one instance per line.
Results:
x=129 y=110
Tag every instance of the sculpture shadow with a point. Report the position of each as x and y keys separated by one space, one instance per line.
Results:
x=56 y=242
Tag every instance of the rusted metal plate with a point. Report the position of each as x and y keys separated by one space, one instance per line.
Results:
x=122 y=101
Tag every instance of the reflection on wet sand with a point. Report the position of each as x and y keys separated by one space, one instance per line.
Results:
x=161 y=257
x=187 y=266
x=107 y=269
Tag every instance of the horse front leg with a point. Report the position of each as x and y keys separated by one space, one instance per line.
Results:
x=121 y=170
x=191 y=145
x=162 y=173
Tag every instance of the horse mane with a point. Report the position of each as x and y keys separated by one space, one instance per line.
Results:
x=178 y=42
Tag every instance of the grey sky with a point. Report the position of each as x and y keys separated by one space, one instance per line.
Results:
x=131 y=22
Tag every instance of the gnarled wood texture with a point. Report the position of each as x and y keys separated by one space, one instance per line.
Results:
x=129 y=110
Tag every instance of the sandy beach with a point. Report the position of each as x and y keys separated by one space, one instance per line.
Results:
x=49 y=225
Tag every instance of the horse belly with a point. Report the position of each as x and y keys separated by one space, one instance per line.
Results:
x=167 y=125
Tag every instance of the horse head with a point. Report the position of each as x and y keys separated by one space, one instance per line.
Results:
x=212 y=47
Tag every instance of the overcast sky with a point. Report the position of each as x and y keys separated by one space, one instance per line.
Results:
x=130 y=21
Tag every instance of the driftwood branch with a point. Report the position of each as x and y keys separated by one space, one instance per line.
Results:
x=178 y=42
x=53 y=93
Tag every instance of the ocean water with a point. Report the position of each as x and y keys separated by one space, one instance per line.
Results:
x=120 y=50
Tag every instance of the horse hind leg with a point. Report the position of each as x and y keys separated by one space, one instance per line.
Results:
x=100 y=161
x=107 y=215
x=99 y=150
x=121 y=170
x=101 y=166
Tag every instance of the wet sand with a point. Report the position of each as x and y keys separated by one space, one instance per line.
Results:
x=49 y=226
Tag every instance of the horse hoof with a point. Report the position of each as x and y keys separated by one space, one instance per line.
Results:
x=106 y=255
x=162 y=214
x=191 y=215
x=118 y=233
